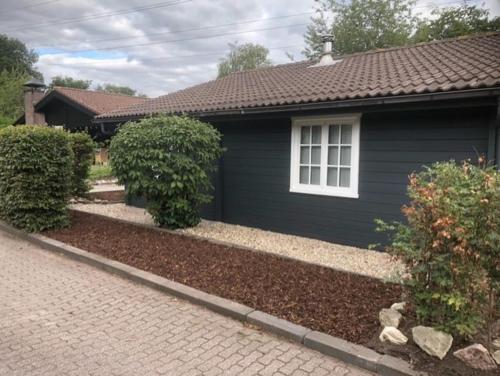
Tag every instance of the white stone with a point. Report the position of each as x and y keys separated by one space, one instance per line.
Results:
x=393 y=335
x=400 y=307
x=496 y=356
x=476 y=356
x=389 y=317
x=432 y=341
x=496 y=344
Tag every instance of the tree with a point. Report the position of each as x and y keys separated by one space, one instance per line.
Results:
x=11 y=95
x=454 y=22
x=14 y=55
x=360 y=25
x=117 y=89
x=66 y=81
x=244 y=57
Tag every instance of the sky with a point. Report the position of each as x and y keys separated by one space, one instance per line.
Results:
x=160 y=46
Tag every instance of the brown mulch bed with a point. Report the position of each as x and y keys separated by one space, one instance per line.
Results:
x=339 y=303
x=111 y=196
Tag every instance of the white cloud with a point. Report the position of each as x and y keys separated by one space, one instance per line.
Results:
x=161 y=65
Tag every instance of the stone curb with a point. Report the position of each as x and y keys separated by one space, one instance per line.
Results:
x=345 y=351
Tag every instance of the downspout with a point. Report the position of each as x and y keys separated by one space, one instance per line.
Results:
x=494 y=137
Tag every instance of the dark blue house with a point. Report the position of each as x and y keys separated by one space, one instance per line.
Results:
x=321 y=149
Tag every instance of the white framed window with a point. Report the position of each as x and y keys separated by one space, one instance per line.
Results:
x=325 y=155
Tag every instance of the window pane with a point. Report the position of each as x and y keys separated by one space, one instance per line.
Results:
x=333 y=134
x=345 y=177
x=304 y=154
x=305 y=135
x=315 y=175
x=333 y=155
x=316 y=155
x=345 y=155
x=331 y=178
x=304 y=175
x=346 y=134
x=316 y=135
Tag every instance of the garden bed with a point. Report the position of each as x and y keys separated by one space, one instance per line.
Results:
x=338 y=303
x=341 y=304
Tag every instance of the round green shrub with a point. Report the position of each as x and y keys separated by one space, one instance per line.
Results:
x=168 y=161
x=35 y=177
x=83 y=152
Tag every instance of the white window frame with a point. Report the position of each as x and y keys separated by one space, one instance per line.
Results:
x=322 y=188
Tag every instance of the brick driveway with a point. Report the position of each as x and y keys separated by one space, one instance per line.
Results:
x=61 y=317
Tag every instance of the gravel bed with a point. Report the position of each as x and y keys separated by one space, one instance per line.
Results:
x=352 y=259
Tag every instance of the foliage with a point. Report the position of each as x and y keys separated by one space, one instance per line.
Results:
x=117 y=89
x=83 y=152
x=15 y=56
x=359 y=25
x=167 y=160
x=66 y=81
x=454 y=22
x=11 y=95
x=244 y=57
x=35 y=177
x=100 y=172
x=451 y=244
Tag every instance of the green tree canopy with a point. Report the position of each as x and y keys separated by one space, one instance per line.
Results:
x=66 y=81
x=11 y=95
x=244 y=57
x=360 y=25
x=14 y=55
x=117 y=89
x=454 y=22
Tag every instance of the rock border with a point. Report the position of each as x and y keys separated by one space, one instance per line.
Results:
x=348 y=352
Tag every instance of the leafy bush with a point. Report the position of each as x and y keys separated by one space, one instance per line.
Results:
x=167 y=160
x=35 y=177
x=83 y=152
x=451 y=245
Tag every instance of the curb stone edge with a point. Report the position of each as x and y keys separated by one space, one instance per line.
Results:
x=338 y=348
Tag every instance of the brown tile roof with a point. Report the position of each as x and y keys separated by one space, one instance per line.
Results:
x=454 y=64
x=97 y=101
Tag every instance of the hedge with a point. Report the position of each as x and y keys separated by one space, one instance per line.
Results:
x=35 y=177
x=83 y=151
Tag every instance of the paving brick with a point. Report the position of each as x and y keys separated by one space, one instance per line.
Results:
x=61 y=317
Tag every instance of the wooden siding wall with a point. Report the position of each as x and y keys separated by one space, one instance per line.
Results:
x=60 y=113
x=256 y=172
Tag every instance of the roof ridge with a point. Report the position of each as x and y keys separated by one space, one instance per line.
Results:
x=419 y=44
x=369 y=52
x=96 y=91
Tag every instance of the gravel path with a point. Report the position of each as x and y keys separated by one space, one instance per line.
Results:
x=362 y=261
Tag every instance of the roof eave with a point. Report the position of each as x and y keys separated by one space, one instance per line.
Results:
x=377 y=101
x=54 y=94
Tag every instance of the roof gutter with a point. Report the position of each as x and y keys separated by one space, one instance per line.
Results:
x=402 y=99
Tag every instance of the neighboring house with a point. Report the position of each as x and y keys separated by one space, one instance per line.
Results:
x=323 y=149
x=72 y=108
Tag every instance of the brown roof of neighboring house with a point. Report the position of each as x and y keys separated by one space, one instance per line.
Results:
x=454 y=64
x=97 y=102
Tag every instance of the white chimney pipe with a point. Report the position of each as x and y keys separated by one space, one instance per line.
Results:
x=326 y=58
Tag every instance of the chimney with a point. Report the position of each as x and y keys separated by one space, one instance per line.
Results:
x=326 y=57
x=33 y=92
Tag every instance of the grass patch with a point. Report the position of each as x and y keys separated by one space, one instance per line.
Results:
x=100 y=172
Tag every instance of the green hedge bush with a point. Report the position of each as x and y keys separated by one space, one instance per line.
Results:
x=83 y=152
x=451 y=245
x=168 y=161
x=35 y=177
